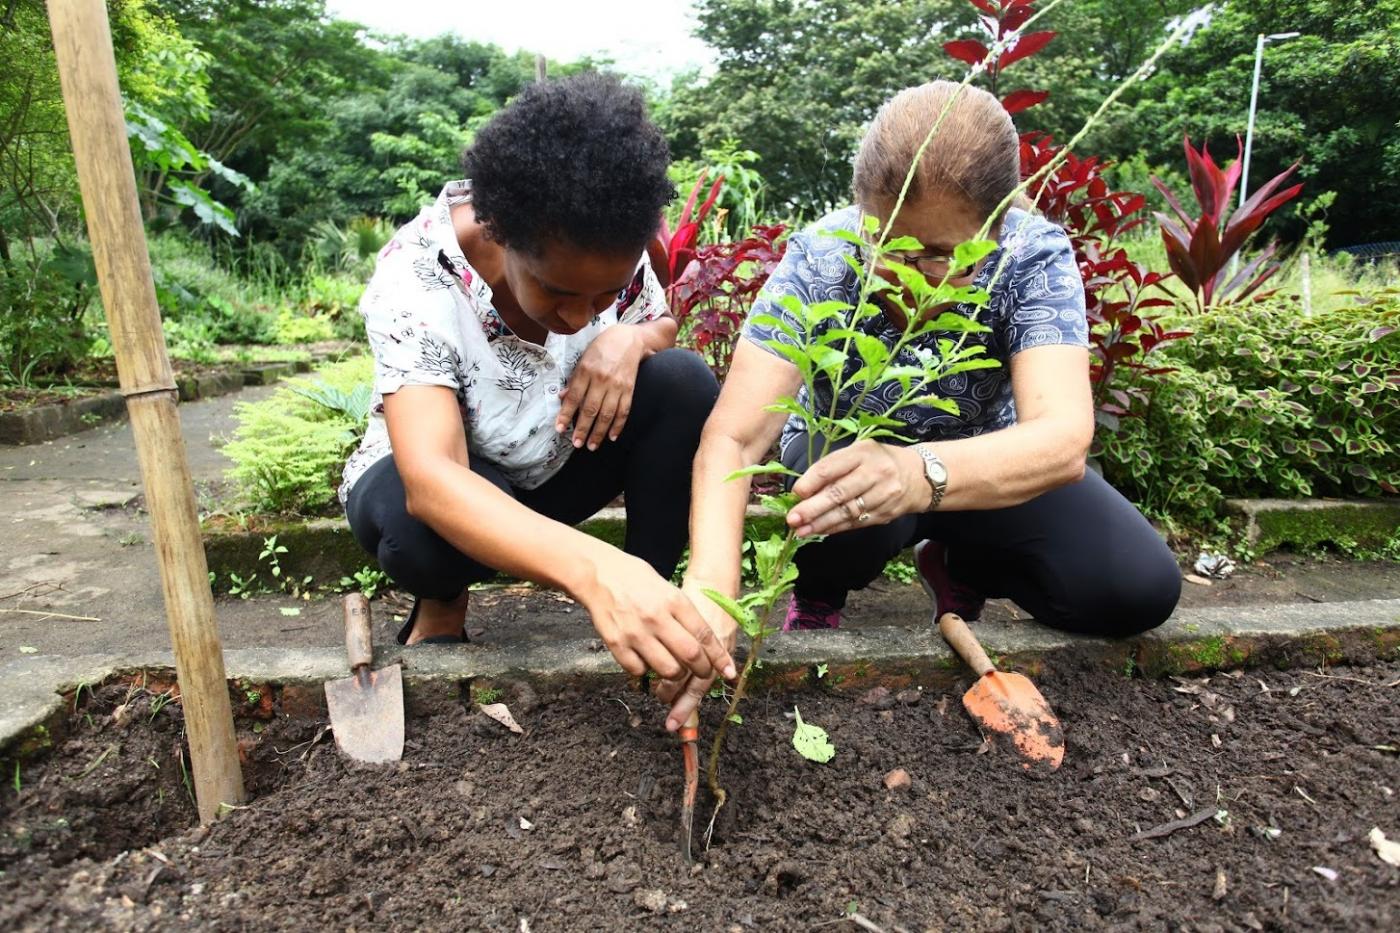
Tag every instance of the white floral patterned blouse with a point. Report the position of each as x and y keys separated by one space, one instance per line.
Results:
x=430 y=321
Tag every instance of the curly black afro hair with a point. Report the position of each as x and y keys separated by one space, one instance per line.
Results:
x=575 y=159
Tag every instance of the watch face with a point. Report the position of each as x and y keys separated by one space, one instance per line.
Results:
x=936 y=471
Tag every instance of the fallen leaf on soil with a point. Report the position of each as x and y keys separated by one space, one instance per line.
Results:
x=1327 y=873
x=526 y=824
x=1221 y=885
x=812 y=741
x=1198 y=580
x=25 y=649
x=500 y=713
x=289 y=610
x=1387 y=849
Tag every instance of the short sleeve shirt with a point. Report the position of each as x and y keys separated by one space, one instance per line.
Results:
x=430 y=321
x=1036 y=300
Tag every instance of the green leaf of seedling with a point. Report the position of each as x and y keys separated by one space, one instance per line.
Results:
x=776 y=323
x=848 y=236
x=793 y=355
x=744 y=617
x=942 y=404
x=757 y=469
x=827 y=310
x=902 y=244
x=289 y=611
x=779 y=504
x=872 y=351
x=821 y=671
x=811 y=741
x=871 y=223
x=736 y=719
x=952 y=322
x=966 y=255
x=964 y=366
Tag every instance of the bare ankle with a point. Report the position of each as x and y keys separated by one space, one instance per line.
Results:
x=438 y=617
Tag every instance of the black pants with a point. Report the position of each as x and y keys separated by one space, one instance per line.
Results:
x=1079 y=558
x=650 y=463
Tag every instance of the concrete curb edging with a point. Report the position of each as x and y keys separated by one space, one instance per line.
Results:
x=60 y=419
x=35 y=691
x=325 y=550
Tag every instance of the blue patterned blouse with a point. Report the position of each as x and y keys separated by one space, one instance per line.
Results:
x=1038 y=300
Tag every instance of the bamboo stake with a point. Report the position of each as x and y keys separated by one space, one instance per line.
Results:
x=88 y=73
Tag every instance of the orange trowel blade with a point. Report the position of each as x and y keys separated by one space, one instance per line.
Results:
x=1009 y=707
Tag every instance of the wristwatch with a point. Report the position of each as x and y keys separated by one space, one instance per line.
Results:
x=936 y=474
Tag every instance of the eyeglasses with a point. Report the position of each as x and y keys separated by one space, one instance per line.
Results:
x=930 y=265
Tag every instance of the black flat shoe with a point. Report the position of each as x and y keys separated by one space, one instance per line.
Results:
x=407 y=630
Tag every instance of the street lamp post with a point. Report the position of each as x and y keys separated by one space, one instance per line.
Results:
x=1253 y=106
x=1254 y=103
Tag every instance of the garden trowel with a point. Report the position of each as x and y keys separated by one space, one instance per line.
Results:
x=367 y=707
x=1006 y=707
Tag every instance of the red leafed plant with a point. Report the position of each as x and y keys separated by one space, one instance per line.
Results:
x=680 y=243
x=1116 y=289
x=716 y=290
x=1000 y=21
x=1200 y=249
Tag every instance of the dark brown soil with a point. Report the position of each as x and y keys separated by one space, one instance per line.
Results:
x=573 y=825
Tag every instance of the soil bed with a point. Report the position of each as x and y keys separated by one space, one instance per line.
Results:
x=573 y=824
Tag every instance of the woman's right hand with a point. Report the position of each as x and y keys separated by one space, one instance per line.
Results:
x=648 y=624
x=685 y=695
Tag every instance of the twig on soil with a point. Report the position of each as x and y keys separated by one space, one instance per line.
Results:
x=1355 y=680
x=49 y=614
x=1304 y=794
x=1166 y=829
x=864 y=923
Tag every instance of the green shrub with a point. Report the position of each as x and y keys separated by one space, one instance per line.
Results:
x=302 y=328
x=1266 y=402
x=288 y=449
x=42 y=303
x=193 y=290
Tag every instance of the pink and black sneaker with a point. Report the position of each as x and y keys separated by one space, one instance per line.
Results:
x=806 y=614
x=948 y=594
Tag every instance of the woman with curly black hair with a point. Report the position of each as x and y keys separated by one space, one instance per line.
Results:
x=525 y=375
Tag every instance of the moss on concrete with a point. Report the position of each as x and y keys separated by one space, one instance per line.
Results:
x=1351 y=526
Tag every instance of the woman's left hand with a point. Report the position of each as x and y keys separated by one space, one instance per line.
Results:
x=599 y=396
x=867 y=483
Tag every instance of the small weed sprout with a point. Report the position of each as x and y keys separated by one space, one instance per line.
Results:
x=368 y=580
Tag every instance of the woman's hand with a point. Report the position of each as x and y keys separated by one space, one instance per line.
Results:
x=600 y=388
x=684 y=694
x=648 y=624
x=867 y=483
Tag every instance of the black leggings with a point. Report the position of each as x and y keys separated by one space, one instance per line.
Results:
x=1079 y=558
x=650 y=463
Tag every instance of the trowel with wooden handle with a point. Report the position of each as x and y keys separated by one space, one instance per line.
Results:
x=367 y=707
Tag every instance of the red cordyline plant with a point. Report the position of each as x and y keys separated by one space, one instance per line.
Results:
x=1200 y=249
x=680 y=243
x=1116 y=289
x=1000 y=20
x=712 y=286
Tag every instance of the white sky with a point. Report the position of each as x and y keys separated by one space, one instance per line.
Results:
x=650 y=38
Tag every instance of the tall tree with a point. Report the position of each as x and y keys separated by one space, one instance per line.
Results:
x=797 y=80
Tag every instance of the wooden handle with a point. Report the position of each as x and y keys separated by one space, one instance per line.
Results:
x=690 y=732
x=358 y=646
x=960 y=637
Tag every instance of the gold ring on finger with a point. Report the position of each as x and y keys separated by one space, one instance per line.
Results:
x=864 y=517
x=860 y=503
